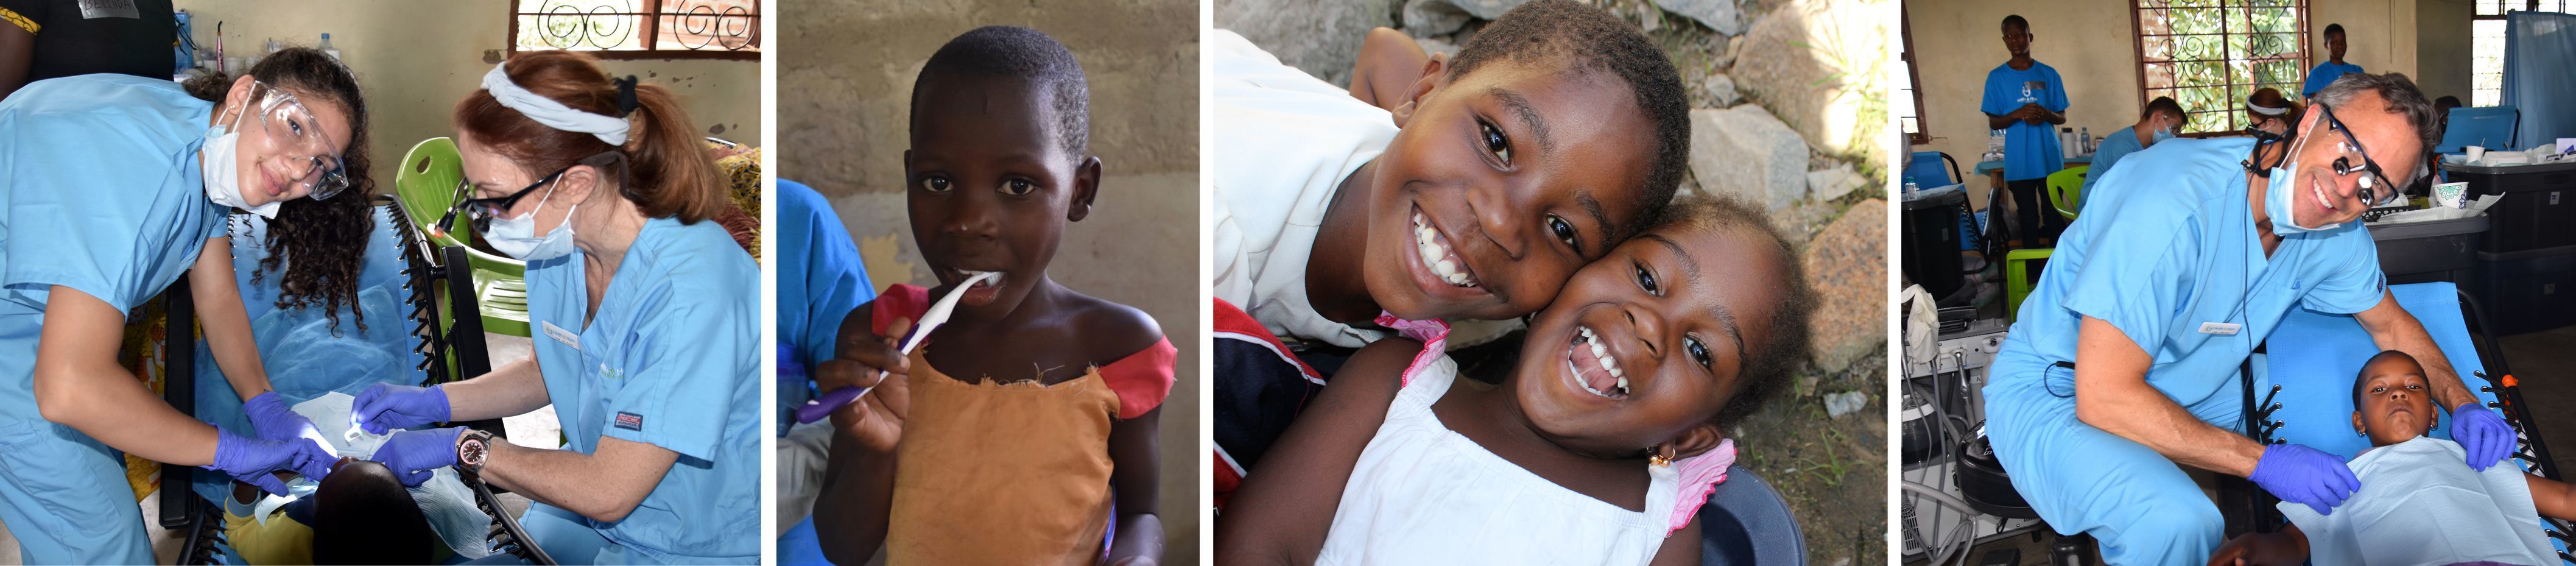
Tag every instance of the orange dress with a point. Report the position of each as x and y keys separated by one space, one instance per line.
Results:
x=1016 y=472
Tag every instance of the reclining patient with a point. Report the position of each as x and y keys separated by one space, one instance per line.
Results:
x=2418 y=504
x=360 y=514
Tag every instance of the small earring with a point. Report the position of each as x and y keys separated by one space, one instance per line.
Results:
x=1656 y=457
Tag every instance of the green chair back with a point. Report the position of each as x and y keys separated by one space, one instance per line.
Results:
x=2066 y=190
x=426 y=184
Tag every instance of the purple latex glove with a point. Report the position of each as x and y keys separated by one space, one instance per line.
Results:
x=387 y=407
x=270 y=418
x=2481 y=432
x=414 y=454
x=2299 y=474
x=251 y=460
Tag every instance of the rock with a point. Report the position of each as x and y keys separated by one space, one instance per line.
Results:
x=1820 y=71
x=1321 y=38
x=1719 y=15
x=1427 y=18
x=1847 y=265
x=1844 y=403
x=1830 y=184
x=1719 y=91
x=1746 y=153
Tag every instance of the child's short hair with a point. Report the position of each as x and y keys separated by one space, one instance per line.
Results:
x=1593 y=40
x=2361 y=378
x=1762 y=375
x=1012 y=51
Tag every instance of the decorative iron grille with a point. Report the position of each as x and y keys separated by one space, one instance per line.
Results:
x=639 y=29
x=2210 y=54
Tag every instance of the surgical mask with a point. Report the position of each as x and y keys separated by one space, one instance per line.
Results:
x=2160 y=136
x=222 y=168
x=2277 y=196
x=517 y=237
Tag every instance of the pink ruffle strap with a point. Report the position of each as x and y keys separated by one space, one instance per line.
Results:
x=1433 y=334
x=1699 y=478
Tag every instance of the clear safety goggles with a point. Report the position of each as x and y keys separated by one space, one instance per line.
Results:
x=299 y=136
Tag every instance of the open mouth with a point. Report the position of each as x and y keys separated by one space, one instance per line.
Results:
x=1592 y=367
x=2323 y=203
x=1437 y=256
x=982 y=291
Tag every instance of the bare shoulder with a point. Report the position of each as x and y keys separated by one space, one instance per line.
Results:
x=1111 y=331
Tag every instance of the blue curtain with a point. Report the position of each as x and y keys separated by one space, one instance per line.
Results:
x=2539 y=48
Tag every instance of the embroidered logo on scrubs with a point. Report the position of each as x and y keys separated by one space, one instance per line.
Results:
x=630 y=421
x=611 y=374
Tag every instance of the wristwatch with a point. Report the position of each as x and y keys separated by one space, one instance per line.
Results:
x=471 y=450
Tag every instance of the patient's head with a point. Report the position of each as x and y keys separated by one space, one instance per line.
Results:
x=362 y=515
x=2391 y=400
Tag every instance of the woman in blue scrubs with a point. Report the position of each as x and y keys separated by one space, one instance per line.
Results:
x=2117 y=370
x=647 y=320
x=111 y=186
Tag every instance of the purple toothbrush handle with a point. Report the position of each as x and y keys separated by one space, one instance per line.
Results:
x=821 y=408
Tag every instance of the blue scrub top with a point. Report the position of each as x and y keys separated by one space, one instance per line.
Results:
x=2182 y=253
x=671 y=359
x=2325 y=74
x=100 y=191
x=2119 y=144
x=820 y=275
x=2030 y=150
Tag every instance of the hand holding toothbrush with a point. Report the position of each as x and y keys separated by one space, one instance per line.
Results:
x=866 y=362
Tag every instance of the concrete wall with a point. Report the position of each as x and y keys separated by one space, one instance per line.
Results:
x=2093 y=44
x=416 y=59
x=2444 y=48
x=845 y=73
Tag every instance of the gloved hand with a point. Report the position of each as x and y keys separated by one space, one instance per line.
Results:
x=2299 y=474
x=414 y=454
x=270 y=418
x=387 y=406
x=2483 y=433
x=251 y=459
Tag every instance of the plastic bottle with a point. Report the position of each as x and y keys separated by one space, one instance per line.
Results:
x=2084 y=137
x=2066 y=143
x=327 y=49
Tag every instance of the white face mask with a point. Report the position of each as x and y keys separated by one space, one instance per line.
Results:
x=517 y=237
x=2278 y=195
x=222 y=169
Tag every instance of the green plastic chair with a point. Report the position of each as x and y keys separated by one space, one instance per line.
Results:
x=426 y=185
x=2020 y=270
x=2066 y=191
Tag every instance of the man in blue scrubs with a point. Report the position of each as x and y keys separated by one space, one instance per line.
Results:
x=2026 y=100
x=2160 y=122
x=2334 y=67
x=2123 y=365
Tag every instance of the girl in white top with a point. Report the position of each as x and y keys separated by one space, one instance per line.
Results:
x=1598 y=449
x=1552 y=136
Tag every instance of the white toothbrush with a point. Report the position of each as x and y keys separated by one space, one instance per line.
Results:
x=819 y=408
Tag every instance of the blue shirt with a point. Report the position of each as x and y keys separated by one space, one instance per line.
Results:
x=2325 y=74
x=2030 y=150
x=2178 y=263
x=2119 y=144
x=820 y=279
x=672 y=360
x=100 y=191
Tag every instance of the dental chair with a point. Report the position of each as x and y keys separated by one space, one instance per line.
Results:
x=435 y=280
x=2311 y=360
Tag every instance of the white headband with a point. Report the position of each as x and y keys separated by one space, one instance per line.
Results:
x=553 y=114
x=2266 y=110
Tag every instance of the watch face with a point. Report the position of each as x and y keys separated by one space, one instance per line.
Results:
x=471 y=452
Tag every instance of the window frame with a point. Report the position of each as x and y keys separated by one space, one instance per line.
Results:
x=2138 y=47
x=2503 y=7
x=1914 y=79
x=651 y=18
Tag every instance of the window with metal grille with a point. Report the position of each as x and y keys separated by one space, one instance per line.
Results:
x=1909 y=102
x=639 y=29
x=2486 y=71
x=2210 y=54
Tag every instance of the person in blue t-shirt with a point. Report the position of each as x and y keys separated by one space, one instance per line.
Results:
x=2026 y=100
x=2163 y=118
x=2326 y=72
